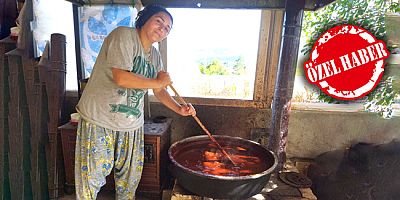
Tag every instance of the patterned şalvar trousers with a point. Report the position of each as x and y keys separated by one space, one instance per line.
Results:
x=98 y=150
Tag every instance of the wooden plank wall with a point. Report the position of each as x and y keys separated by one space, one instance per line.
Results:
x=6 y=45
x=31 y=165
x=19 y=151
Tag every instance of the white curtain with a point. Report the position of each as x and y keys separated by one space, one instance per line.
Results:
x=96 y=22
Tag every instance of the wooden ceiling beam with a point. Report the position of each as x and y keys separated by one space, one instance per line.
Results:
x=233 y=4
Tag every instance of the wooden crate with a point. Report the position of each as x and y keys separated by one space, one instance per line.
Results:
x=154 y=176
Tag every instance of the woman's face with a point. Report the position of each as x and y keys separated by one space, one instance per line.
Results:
x=157 y=27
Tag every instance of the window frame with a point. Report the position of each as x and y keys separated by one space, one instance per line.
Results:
x=266 y=67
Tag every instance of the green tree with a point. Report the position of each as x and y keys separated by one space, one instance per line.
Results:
x=239 y=68
x=214 y=68
x=368 y=14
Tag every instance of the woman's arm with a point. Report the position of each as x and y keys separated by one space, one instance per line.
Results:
x=131 y=80
x=128 y=79
x=164 y=97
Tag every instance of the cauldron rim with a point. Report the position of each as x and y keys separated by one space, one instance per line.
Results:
x=211 y=176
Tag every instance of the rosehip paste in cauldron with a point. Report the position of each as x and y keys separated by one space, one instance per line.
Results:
x=207 y=158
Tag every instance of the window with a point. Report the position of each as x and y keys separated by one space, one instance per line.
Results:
x=215 y=56
x=213 y=53
x=370 y=15
x=55 y=16
x=96 y=22
x=224 y=56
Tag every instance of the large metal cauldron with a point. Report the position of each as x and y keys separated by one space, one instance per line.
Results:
x=216 y=186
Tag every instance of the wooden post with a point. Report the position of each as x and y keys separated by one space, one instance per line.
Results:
x=285 y=78
x=55 y=87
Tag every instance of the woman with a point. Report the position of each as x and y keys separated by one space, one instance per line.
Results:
x=110 y=132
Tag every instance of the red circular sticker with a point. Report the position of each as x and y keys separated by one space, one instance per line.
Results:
x=346 y=62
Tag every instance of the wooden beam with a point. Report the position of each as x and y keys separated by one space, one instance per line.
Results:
x=234 y=4
x=238 y=4
x=268 y=55
x=316 y=4
x=80 y=71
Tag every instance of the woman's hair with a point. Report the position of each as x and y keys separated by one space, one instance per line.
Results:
x=149 y=11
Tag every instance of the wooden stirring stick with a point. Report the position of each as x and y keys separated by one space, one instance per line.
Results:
x=203 y=127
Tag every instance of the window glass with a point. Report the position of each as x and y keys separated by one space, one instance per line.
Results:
x=55 y=16
x=212 y=53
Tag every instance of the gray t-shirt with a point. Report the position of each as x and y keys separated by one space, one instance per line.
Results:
x=103 y=102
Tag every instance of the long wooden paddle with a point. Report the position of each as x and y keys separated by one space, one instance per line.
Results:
x=203 y=127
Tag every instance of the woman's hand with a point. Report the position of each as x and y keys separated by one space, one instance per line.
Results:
x=163 y=79
x=187 y=110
